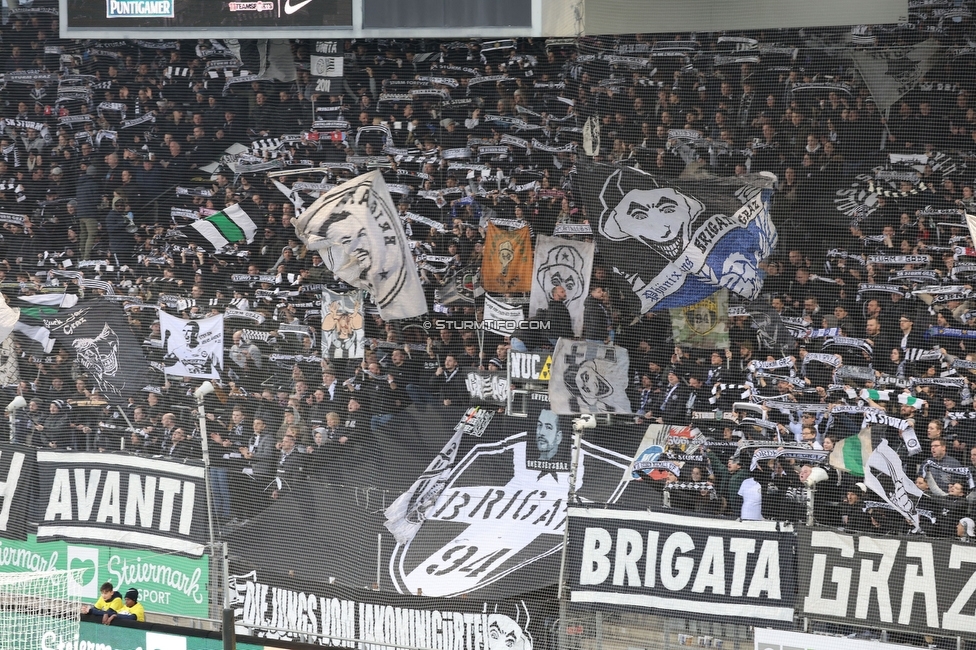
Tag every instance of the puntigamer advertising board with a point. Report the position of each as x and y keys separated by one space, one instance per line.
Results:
x=167 y=584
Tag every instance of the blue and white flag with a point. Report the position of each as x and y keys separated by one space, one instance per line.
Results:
x=678 y=241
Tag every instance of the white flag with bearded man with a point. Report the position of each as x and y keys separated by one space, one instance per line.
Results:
x=358 y=232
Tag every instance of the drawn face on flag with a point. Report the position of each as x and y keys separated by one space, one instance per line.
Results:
x=562 y=268
x=587 y=383
x=659 y=218
x=504 y=633
x=191 y=334
x=99 y=356
x=506 y=254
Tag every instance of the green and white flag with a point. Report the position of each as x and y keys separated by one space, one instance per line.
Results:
x=850 y=454
x=223 y=228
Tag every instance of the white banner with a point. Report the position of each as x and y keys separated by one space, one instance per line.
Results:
x=565 y=263
x=342 y=325
x=497 y=313
x=194 y=348
x=589 y=377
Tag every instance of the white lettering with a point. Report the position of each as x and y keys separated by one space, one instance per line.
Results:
x=919 y=583
x=675 y=573
x=595 y=565
x=815 y=602
x=630 y=547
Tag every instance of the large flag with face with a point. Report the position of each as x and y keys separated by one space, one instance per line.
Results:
x=891 y=72
x=561 y=263
x=589 y=377
x=98 y=335
x=507 y=265
x=226 y=227
x=193 y=348
x=884 y=474
x=358 y=231
x=676 y=241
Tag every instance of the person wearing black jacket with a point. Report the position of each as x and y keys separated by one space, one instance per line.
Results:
x=448 y=382
x=596 y=316
x=560 y=322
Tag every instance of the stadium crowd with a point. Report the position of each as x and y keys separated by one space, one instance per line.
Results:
x=108 y=149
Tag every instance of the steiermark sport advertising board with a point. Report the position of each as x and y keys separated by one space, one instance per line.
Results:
x=167 y=584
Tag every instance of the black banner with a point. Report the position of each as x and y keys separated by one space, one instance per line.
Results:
x=917 y=585
x=16 y=483
x=103 y=344
x=743 y=571
x=475 y=506
x=323 y=614
x=121 y=499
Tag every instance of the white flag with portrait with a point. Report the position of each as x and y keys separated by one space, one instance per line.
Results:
x=358 y=232
x=565 y=263
x=589 y=377
x=193 y=348
x=885 y=476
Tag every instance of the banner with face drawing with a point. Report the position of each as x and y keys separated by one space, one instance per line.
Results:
x=566 y=264
x=589 y=377
x=194 y=348
x=678 y=241
x=97 y=333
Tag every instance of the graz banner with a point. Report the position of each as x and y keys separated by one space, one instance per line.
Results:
x=347 y=618
x=16 y=479
x=167 y=583
x=742 y=571
x=919 y=585
x=121 y=499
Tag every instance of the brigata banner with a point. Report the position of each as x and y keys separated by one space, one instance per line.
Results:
x=919 y=585
x=742 y=571
x=121 y=499
x=340 y=617
x=167 y=584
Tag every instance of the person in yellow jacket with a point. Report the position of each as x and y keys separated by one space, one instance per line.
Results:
x=108 y=602
x=132 y=611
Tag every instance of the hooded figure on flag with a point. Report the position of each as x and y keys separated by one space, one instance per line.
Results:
x=678 y=241
x=358 y=231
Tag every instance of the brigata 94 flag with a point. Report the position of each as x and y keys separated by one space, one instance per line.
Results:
x=676 y=241
x=358 y=231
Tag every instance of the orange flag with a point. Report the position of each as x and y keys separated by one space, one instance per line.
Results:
x=507 y=265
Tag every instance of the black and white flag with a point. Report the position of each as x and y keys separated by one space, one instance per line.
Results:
x=561 y=263
x=358 y=231
x=105 y=347
x=891 y=72
x=588 y=377
x=194 y=348
x=884 y=474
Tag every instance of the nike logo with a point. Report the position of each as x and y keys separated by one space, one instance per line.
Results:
x=292 y=8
